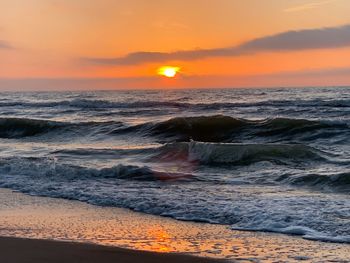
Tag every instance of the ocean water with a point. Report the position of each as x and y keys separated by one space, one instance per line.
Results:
x=255 y=159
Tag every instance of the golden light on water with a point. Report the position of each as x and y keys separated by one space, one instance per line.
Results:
x=168 y=71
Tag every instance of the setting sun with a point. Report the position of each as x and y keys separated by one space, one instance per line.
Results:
x=168 y=71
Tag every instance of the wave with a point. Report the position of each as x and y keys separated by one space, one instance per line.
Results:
x=238 y=154
x=204 y=128
x=305 y=232
x=221 y=128
x=217 y=128
x=107 y=104
x=213 y=154
x=44 y=168
x=340 y=103
x=18 y=128
x=192 y=154
x=15 y=128
x=337 y=181
x=252 y=207
x=223 y=155
x=95 y=104
x=314 y=216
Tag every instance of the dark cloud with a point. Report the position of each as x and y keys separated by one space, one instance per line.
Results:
x=331 y=37
x=144 y=57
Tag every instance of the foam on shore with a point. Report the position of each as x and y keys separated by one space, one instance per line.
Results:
x=56 y=219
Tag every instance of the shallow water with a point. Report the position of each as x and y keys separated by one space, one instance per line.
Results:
x=33 y=217
x=255 y=159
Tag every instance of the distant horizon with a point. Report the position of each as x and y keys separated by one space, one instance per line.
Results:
x=111 y=89
x=111 y=84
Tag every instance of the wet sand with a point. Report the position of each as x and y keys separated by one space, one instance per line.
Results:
x=17 y=250
x=42 y=218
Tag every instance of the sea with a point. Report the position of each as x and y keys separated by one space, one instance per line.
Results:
x=272 y=159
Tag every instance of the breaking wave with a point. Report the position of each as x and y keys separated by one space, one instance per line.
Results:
x=133 y=187
x=20 y=127
x=239 y=154
x=337 y=181
x=49 y=168
x=218 y=128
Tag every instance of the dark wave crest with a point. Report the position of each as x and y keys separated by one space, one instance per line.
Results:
x=18 y=128
x=220 y=128
x=194 y=153
x=238 y=154
x=15 y=128
x=339 y=181
x=210 y=129
x=211 y=154
x=49 y=168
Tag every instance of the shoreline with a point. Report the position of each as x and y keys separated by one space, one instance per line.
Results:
x=42 y=218
x=43 y=251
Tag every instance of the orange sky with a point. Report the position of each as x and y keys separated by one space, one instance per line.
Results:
x=64 y=44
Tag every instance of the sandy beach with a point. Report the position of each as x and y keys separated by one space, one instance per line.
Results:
x=40 y=251
x=124 y=234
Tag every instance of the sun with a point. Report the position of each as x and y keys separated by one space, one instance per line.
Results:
x=168 y=71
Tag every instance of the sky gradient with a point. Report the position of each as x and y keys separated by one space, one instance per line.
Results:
x=113 y=44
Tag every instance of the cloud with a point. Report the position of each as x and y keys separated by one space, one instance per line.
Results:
x=331 y=37
x=308 y=6
x=321 y=38
x=145 y=57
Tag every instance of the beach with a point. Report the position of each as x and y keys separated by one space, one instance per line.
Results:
x=102 y=233
x=36 y=251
